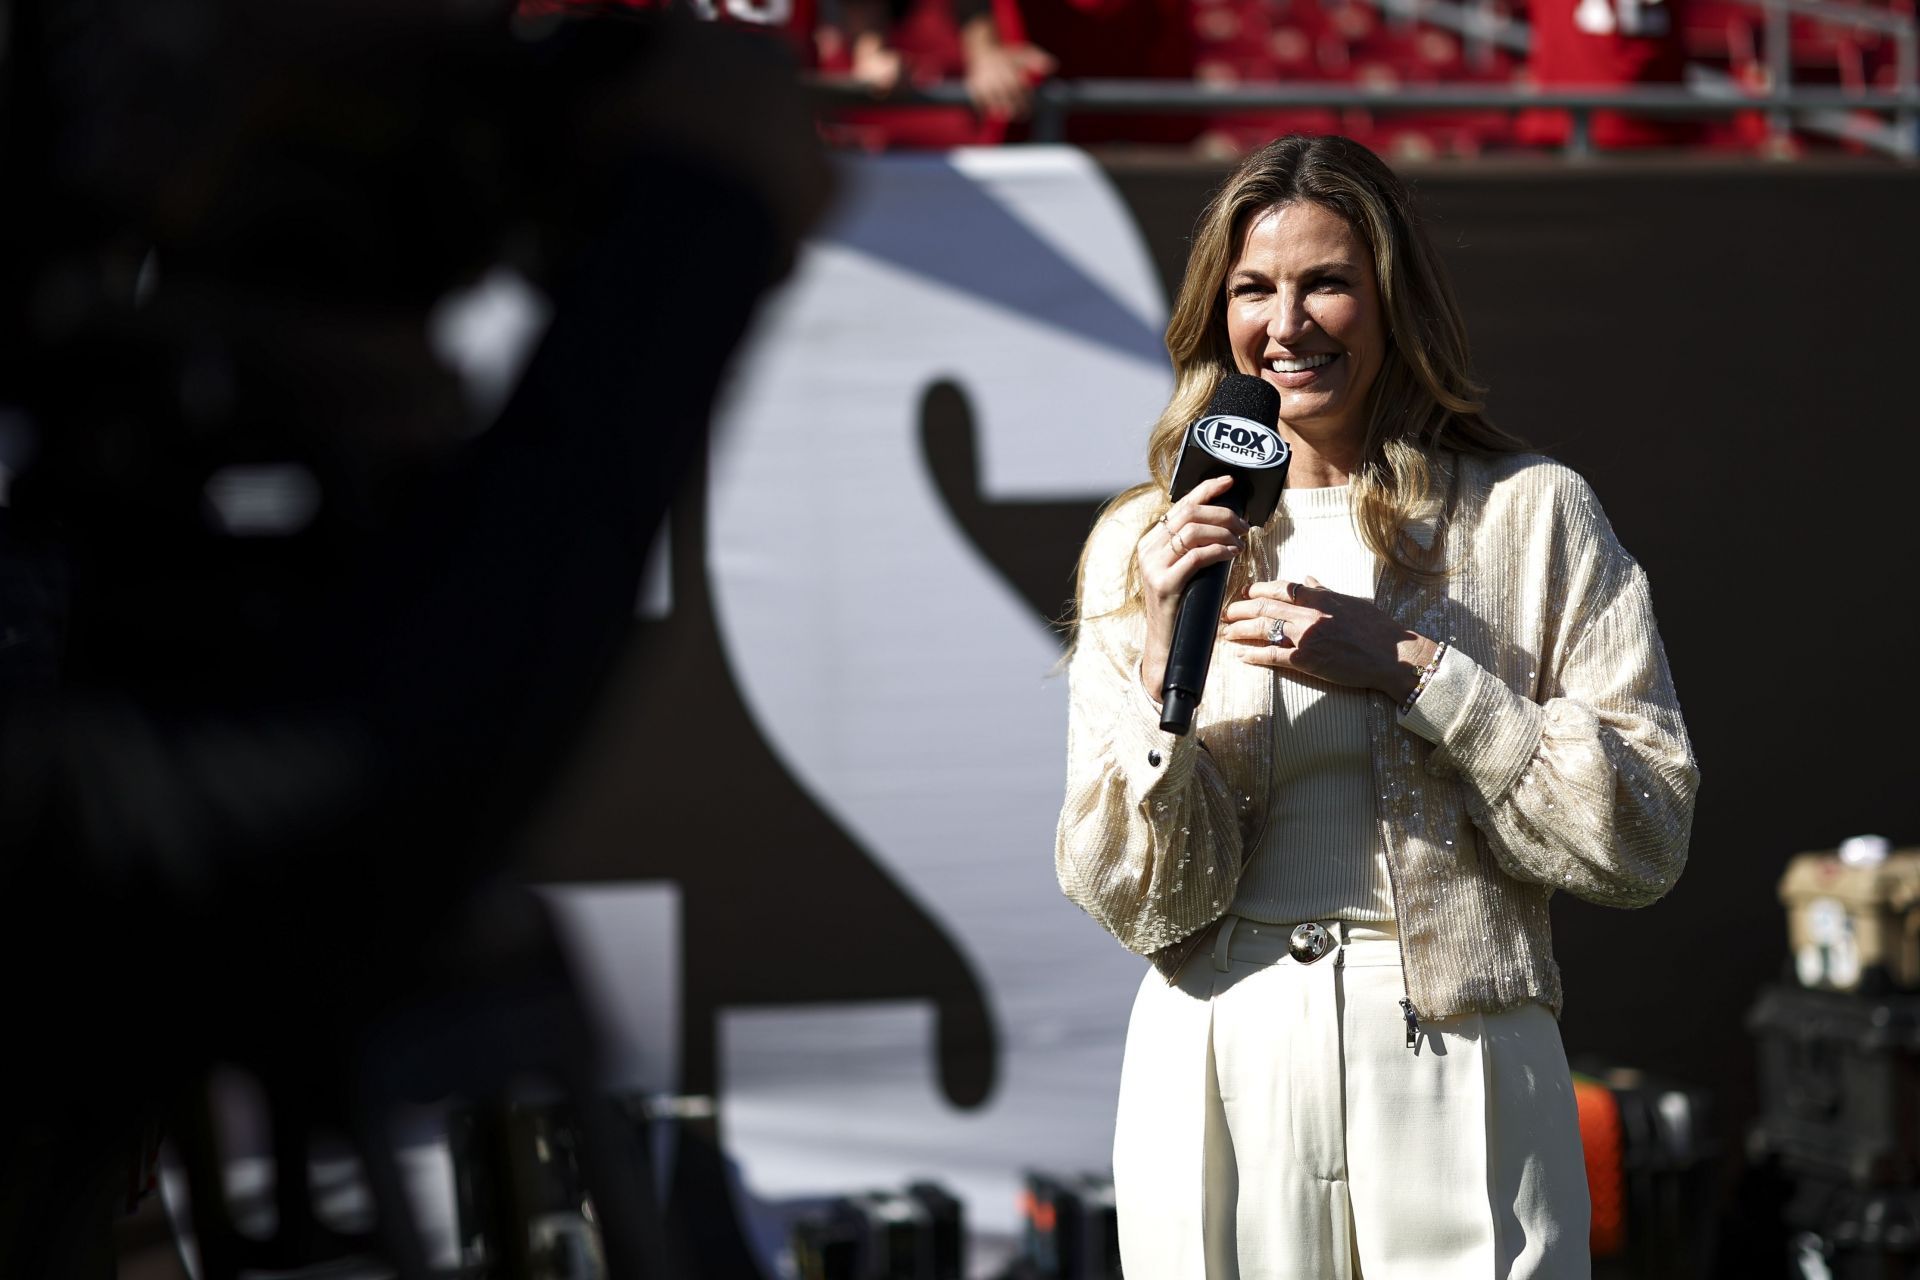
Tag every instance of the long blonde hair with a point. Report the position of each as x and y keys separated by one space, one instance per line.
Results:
x=1424 y=400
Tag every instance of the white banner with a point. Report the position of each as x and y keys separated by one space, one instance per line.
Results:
x=904 y=683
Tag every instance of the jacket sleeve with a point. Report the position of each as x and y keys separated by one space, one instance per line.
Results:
x=1149 y=839
x=1590 y=789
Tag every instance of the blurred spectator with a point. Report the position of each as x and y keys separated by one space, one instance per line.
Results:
x=794 y=21
x=885 y=44
x=1605 y=44
x=1000 y=69
x=1116 y=39
x=1002 y=49
x=999 y=73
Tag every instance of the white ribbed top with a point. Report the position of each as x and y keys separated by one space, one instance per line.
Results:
x=1322 y=857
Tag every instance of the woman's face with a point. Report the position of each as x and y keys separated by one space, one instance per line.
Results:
x=1304 y=313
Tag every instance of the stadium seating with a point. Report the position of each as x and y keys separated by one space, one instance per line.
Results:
x=1344 y=41
x=1349 y=41
x=1358 y=42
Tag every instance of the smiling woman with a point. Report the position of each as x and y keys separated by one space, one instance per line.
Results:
x=1449 y=701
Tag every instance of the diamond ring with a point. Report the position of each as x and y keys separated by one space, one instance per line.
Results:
x=1276 y=631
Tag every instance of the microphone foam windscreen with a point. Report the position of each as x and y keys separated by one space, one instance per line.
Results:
x=1245 y=396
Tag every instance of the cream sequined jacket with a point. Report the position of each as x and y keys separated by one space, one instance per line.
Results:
x=1548 y=752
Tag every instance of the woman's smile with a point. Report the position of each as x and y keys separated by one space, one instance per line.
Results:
x=1294 y=372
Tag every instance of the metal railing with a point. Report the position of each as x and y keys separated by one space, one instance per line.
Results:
x=1779 y=14
x=1483 y=27
x=1834 y=113
x=1054 y=101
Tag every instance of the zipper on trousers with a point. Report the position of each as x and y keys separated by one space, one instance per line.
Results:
x=1413 y=1024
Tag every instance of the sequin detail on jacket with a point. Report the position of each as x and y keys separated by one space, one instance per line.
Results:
x=1562 y=762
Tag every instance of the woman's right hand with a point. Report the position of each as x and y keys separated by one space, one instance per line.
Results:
x=1192 y=535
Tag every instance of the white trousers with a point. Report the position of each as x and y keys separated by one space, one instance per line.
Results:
x=1273 y=1125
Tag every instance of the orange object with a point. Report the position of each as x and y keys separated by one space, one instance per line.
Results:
x=1605 y=1143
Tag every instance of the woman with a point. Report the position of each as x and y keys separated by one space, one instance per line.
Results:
x=1437 y=697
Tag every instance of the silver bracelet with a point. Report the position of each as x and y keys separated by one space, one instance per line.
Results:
x=1426 y=675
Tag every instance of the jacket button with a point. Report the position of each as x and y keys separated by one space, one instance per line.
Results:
x=1153 y=758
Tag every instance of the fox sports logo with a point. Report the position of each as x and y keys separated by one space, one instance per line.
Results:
x=1239 y=441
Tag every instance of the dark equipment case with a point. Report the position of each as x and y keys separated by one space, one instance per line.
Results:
x=1839 y=1085
x=918 y=1234
x=1842 y=1232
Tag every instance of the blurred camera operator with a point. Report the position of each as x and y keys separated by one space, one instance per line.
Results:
x=248 y=771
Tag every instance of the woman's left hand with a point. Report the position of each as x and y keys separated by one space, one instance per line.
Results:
x=1337 y=638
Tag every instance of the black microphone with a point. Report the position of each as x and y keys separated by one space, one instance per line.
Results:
x=1235 y=437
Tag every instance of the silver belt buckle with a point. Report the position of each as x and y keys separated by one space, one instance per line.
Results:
x=1309 y=942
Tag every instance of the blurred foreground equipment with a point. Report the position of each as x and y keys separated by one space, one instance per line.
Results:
x=1650 y=1149
x=1840 y=1091
x=313 y=629
x=1853 y=917
x=487 y=1017
x=1840 y=1063
x=535 y=1194
x=1071 y=1230
x=1839 y=1084
x=916 y=1234
x=1841 y=1232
